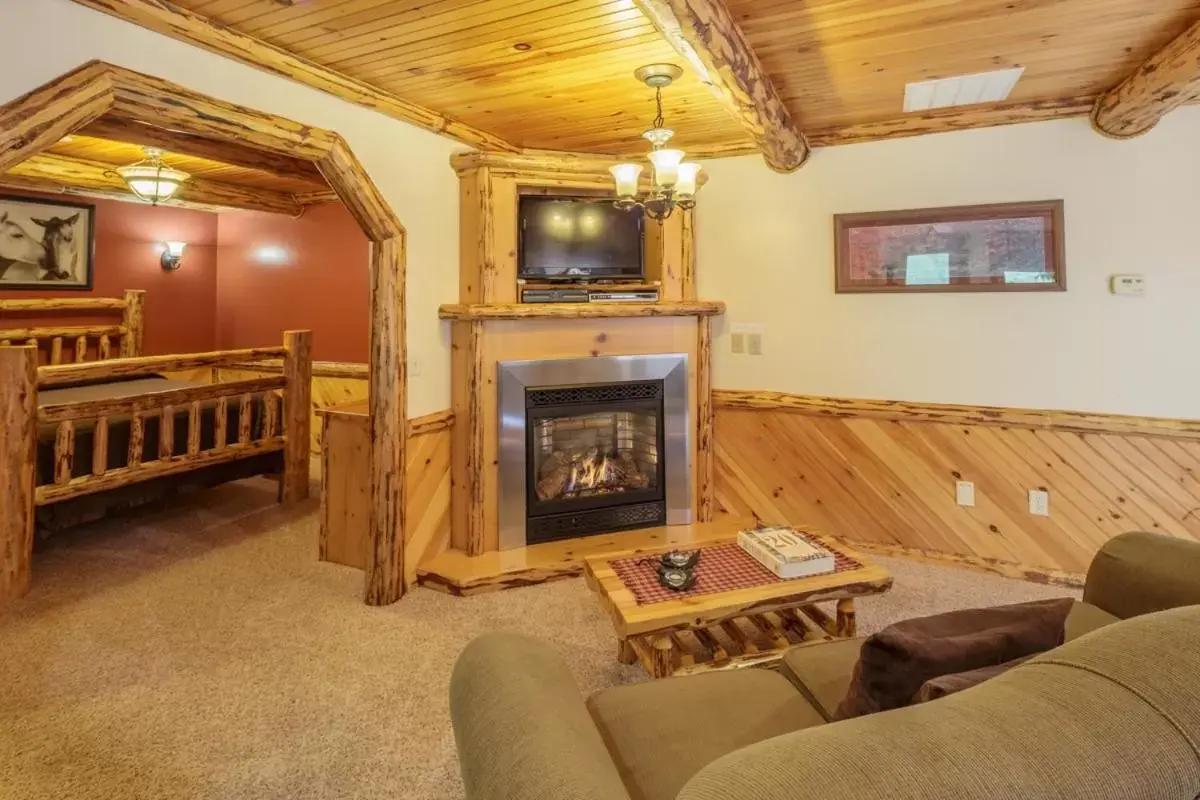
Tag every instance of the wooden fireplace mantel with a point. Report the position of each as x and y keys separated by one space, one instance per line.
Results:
x=484 y=311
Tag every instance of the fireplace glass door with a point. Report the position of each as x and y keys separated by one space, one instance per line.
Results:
x=594 y=459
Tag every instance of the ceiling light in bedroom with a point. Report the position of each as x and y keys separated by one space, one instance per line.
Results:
x=152 y=179
x=674 y=181
x=172 y=256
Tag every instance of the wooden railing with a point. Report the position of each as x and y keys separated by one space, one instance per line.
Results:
x=271 y=415
x=78 y=343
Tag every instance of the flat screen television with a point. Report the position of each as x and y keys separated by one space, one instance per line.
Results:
x=578 y=239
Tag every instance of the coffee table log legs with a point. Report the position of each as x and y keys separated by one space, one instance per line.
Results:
x=662 y=665
x=625 y=652
x=847 y=626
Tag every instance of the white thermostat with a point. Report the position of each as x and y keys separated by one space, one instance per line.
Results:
x=1128 y=284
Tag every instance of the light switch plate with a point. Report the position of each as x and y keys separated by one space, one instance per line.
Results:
x=754 y=344
x=965 y=493
x=746 y=337
x=414 y=367
x=1039 y=502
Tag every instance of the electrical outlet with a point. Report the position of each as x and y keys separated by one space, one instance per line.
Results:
x=965 y=492
x=738 y=342
x=1039 y=502
x=754 y=344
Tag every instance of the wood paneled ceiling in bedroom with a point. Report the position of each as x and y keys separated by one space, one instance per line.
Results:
x=557 y=74
x=223 y=175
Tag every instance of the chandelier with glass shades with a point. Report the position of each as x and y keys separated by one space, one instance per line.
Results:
x=152 y=179
x=674 y=180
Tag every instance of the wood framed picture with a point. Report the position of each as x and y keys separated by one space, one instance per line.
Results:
x=1006 y=247
x=45 y=244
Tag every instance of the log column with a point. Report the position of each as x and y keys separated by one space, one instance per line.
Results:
x=134 y=322
x=297 y=411
x=18 y=458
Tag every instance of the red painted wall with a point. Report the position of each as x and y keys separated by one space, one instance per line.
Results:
x=276 y=273
x=180 y=306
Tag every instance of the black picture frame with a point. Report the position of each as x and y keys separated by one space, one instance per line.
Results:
x=21 y=237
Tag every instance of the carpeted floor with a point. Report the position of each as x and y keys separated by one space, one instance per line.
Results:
x=203 y=652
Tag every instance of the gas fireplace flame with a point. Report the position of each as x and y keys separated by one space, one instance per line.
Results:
x=594 y=470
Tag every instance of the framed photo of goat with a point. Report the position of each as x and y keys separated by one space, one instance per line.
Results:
x=45 y=244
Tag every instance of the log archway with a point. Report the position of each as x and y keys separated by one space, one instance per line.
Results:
x=35 y=121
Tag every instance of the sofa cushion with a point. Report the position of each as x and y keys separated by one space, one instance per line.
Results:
x=1085 y=618
x=660 y=734
x=822 y=671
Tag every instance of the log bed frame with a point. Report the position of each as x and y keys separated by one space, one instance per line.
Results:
x=282 y=402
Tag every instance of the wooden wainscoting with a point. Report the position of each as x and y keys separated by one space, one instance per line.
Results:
x=333 y=383
x=883 y=474
x=345 y=490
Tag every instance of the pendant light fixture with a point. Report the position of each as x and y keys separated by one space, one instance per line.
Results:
x=674 y=180
x=152 y=180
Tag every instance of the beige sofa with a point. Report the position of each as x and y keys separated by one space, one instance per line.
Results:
x=1113 y=713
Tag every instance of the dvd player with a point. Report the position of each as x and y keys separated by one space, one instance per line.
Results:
x=554 y=296
x=623 y=297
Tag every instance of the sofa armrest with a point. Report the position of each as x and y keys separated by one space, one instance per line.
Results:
x=522 y=728
x=1139 y=573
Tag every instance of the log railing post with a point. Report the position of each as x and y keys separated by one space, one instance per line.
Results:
x=133 y=320
x=18 y=456
x=297 y=414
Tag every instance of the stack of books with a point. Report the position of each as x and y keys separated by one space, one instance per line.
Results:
x=786 y=552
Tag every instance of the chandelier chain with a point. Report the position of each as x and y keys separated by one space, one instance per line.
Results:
x=658 y=119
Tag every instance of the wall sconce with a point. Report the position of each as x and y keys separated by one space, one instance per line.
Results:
x=173 y=255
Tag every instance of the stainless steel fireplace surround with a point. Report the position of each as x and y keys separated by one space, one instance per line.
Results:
x=515 y=377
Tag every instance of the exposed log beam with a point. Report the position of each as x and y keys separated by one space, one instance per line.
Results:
x=704 y=33
x=232 y=153
x=54 y=170
x=314 y=198
x=1167 y=80
x=941 y=121
x=178 y=23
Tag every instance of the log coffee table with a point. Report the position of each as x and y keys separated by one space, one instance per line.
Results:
x=738 y=613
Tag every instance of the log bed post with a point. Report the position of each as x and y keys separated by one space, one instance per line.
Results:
x=18 y=456
x=134 y=322
x=297 y=410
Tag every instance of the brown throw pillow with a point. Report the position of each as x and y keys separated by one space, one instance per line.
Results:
x=896 y=662
x=943 y=685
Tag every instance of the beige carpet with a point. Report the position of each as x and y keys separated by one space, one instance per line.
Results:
x=203 y=652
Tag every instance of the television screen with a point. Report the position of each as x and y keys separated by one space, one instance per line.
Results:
x=578 y=239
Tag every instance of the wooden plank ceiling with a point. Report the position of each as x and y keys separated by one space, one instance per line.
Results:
x=572 y=89
x=555 y=74
x=223 y=175
x=839 y=63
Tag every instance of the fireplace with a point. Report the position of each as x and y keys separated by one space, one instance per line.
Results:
x=592 y=446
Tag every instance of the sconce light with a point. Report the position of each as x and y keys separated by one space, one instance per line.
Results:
x=172 y=255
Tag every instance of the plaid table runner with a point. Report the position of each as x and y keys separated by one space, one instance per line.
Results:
x=722 y=568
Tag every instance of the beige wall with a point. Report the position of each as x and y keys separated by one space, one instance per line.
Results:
x=766 y=248
x=45 y=38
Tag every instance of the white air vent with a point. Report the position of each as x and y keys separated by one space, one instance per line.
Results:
x=964 y=90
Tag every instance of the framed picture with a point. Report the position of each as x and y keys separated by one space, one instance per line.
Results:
x=1008 y=247
x=45 y=244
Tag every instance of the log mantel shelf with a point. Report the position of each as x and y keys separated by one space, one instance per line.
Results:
x=484 y=311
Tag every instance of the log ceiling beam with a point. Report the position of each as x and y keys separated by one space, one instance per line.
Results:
x=1168 y=79
x=939 y=121
x=178 y=23
x=705 y=34
x=47 y=171
x=232 y=153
